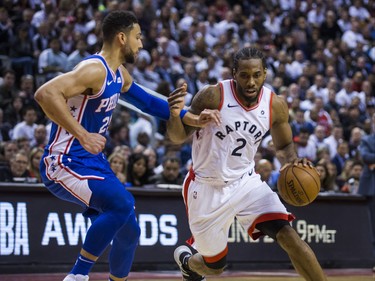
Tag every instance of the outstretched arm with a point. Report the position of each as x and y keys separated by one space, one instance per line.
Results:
x=158 y=107
x=148 y=103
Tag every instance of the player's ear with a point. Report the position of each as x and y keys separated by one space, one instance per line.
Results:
x=265 y=73
x=122 y=37
x=233 y=72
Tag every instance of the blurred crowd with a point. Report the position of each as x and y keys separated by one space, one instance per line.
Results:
x=320 y=59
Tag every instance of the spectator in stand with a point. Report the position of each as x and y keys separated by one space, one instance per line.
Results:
x=352 y=183
x=22 y=52
x=8 y=89
x=300 y=122
x=356 y=135
x=301 y=34
x=318 y=137
x=77 y=55
x=5 y=127
x=8 y=149
x=27 y=89
x=308 y=103
x=35 y=156
x=171 y=172
x=142 y=74
x=6 y=37
x=67 y=40
x=329 y=29
x=295 y=69
x=152 y=158
x=46 y=8
x=350 y=118
x=334 y=139
x=357 y=10
x=40 y=136
x=353 y=36
x=142 y=125
x=118 y=135
x=323 y=175
x=27 y=16
x=323 y=118
x=138 y=173
x=165 y=70
x=303 y=84
x=267 y=173
x=82 y=21
x=273 y=22
x=13 y=112
x=343 y=97
x=17 y=170
x=41 y=39
x=27 y=127
x=332 y=171
x=341 y=156
x=332 y=105
x=124 y=150
x=359 y=71
x=190 y=77
x=322 y=154
x=143 y=142
x=117 y=162
x=23 y=144
x=52 y=61
x=319 y=88
x=344 y=175
x=367 y=93
x=202 y=78
x=305 y=148
x=316 y=15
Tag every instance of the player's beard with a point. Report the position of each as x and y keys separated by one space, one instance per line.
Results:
x=129 y=55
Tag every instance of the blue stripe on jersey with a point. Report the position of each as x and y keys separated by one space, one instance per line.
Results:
x=93 y=112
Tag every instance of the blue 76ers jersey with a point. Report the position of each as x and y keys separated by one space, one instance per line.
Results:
x=93 y=112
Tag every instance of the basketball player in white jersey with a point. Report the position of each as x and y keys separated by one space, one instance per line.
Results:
x=80 y=104
x=222 y=184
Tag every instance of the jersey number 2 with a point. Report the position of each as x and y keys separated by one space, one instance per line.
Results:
x=236 y=151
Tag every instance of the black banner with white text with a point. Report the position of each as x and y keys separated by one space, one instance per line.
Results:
x=37 y=228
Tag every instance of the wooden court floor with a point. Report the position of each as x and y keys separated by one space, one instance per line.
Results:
x=274 y=275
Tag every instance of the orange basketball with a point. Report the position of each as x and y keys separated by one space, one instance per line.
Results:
x=298 y=185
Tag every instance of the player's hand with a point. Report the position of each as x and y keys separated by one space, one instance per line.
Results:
x=176 y=100
x=93 y=142
x=209 y=115
x=304 y=161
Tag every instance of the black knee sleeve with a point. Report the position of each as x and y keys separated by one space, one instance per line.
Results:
x=218 y=264
x=271 y=228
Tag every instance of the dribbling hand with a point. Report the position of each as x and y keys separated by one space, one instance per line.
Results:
x=93 y=142
x=304 y=161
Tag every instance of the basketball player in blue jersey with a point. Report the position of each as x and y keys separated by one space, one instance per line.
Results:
x=80 y=104
x=222 y=184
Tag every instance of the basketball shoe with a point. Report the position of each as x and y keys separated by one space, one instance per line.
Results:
x=181 y=256
x=76 y=277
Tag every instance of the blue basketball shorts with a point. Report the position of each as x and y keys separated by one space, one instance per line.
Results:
x=88 y=181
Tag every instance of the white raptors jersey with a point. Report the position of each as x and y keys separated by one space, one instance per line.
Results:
x=224 y=153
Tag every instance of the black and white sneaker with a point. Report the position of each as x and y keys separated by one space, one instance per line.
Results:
x=181 y=255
